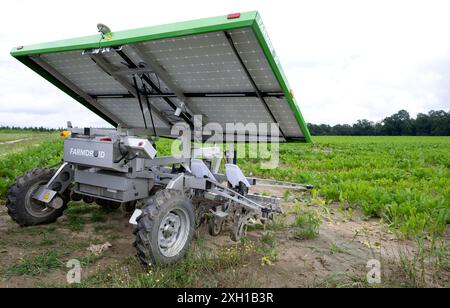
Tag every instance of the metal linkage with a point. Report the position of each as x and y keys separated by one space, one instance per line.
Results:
x=285 y=185
x=232 y=195
x=164 y=76
x=110 y=69
x=186 y=117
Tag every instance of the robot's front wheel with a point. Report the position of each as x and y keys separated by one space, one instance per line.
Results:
x=165 y=228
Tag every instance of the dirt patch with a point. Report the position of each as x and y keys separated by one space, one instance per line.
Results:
x=13 y=141
x=337 y=257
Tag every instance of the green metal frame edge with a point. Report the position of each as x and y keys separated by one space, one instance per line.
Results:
x=264 y=41
x=199 y=26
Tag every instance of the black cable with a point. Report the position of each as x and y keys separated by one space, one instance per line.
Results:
x=121 y=158
x=132 y=158
x=124 y=155
x=121 y=153
x=149 y=108
x=139 y=99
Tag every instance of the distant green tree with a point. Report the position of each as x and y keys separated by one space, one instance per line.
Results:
x=422 y=124
x=440 y=122
x=326 y=129
x=26 y=129
x=398 y=124
x=363 y=128
x=342 y=130
x=435 y=123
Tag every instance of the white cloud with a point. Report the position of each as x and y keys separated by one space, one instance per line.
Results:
x=345 y=60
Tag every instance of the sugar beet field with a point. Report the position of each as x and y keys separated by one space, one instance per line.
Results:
x=384 y=198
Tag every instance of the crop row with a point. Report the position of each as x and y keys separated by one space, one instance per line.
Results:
x=405 y=180
x=46 y=153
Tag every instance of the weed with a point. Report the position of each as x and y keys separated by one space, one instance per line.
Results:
x=306 y=224
x=342 y=280
x=278 y=223
x=440 y=253
x=78 y=208
x=414 y=268
x=286 y=195
x=90 y=259
x=268 y=248
x=98 y=216
x=427 y=265
x=50 y=229
x=36 y=265
x=347 y=212
x=76 y=223
x=335 y=248
x=46 y=241
x=103 y=227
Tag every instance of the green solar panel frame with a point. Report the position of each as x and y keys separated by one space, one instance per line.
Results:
x=222 y=23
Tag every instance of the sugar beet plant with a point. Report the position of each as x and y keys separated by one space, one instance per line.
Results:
x=404 y=180
x=44 y=154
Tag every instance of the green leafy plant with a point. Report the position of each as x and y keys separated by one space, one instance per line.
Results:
x=306 y=224
x=36 y=265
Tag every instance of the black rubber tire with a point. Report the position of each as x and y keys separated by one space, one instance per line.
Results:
x=154 y=210
x=108 y=205
x=129 y=207
x=214 y=226
x=15 y=198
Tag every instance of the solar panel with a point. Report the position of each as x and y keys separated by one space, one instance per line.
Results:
x=220 y=68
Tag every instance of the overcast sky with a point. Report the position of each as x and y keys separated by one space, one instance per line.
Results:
x=345 y=60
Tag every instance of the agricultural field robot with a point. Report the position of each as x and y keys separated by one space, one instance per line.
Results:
x=155 y=82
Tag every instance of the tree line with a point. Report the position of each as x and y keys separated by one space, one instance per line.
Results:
x=29 y=129
x=435 y=123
